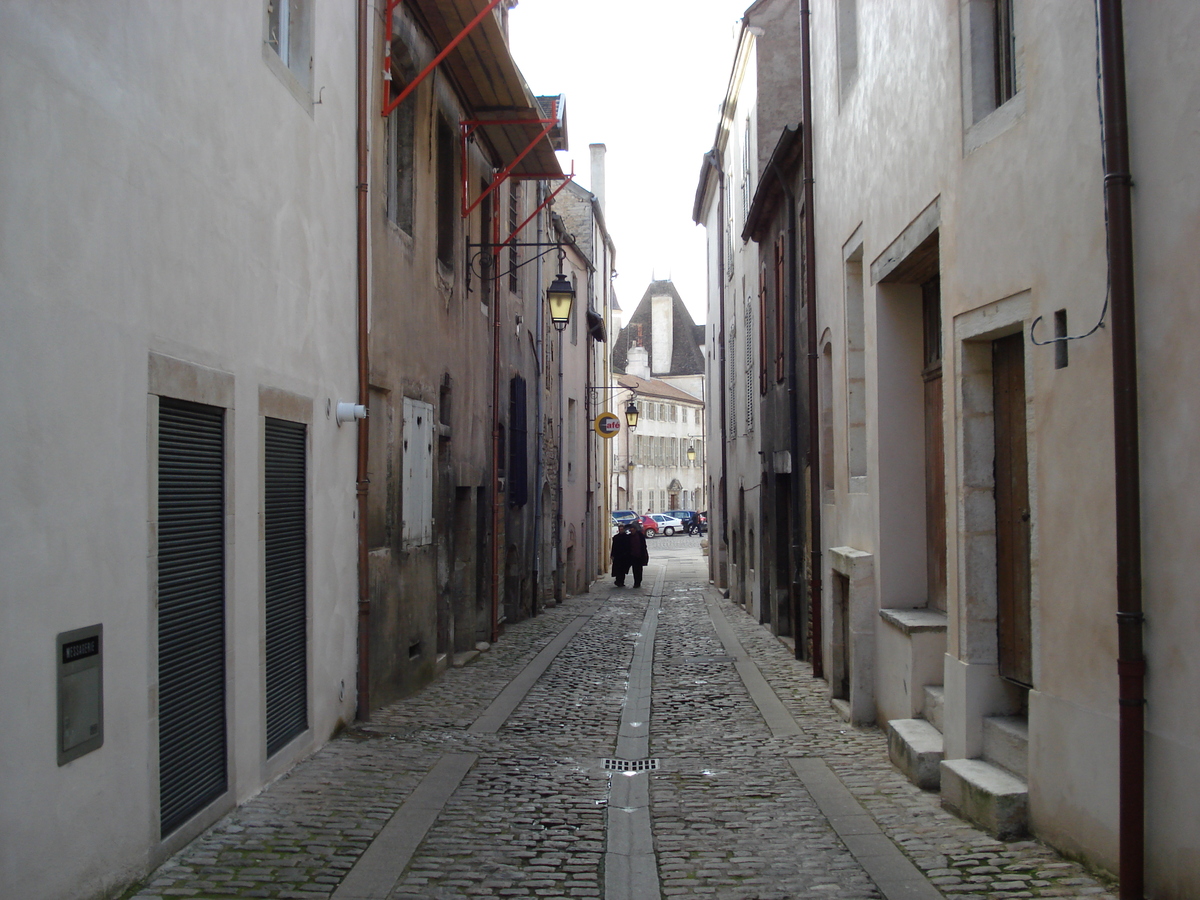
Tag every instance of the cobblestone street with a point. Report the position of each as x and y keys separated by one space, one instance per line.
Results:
x=508 y=778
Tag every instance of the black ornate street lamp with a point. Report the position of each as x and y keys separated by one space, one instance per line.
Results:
x=631 y=415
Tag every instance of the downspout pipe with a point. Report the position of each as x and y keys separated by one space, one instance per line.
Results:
x=541 y=433
x=560 y=565
x=589 y=495
x=713 y=160
x=810 y=298
x=795 y=495
x=1131 y=662
x=363 y=687
x=494 y=288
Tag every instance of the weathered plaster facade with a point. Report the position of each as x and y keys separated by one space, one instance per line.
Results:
x=457 y=335
x=584 y=465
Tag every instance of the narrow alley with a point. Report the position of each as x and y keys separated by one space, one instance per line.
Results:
x=625 y=744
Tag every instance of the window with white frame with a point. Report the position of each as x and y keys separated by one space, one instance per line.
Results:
x=729 y=230
x=856 y=371
x=289 y=40
x=747 y=195
x=732 y=352
x=749 y=354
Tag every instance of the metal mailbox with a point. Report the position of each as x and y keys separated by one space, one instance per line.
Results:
x=80 y=692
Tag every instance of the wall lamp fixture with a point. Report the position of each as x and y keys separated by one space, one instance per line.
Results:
x=560 y=297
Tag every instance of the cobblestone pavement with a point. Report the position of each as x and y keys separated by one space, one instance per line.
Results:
x=731 y=819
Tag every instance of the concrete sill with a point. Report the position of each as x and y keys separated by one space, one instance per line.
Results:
x=915 y=621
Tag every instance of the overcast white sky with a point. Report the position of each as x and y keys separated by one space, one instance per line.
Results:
x=645 y=78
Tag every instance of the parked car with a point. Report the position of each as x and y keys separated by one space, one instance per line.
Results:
x=668 y=525
x=648 y=525
x=693 y=522
x=623 y=516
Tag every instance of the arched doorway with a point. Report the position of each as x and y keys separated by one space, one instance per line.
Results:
x=673 y=491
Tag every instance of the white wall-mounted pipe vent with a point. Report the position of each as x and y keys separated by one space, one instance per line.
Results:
x=349 y=412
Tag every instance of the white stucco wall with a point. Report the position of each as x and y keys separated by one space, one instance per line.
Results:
x=165 y=193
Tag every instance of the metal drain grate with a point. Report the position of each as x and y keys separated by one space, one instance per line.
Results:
x=630 y=765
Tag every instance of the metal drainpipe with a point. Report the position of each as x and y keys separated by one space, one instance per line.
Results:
x=560 y=567
x=541 y=434
x=810 y=291
x=496 y=500
x=363 y=686
x=712 y=159
x=588 y=536
x=1131 y=663
x=796 y=582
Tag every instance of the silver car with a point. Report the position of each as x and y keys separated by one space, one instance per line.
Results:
x=667 y=525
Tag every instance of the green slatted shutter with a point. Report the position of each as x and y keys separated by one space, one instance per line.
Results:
x=286 y=561
x=191 y=609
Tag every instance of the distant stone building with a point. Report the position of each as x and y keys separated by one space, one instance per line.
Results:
x=659 y=359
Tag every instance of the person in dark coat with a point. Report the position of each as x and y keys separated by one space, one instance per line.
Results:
x=639 y=555
x=622 y=554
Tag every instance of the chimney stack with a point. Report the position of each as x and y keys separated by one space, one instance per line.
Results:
x=598 y=151
x=662 y=333
x=638 y=362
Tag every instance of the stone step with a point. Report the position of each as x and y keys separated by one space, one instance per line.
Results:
x=987 y=796
x=1006 y=743
x=915 y=748
x=935 y=703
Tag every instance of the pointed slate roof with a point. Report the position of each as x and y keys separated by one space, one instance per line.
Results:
x=686 y=356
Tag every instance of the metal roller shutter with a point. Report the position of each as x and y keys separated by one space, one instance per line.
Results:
x=286 y=582
x=191 y=609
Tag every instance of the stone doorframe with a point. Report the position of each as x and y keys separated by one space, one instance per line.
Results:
x=973 y=687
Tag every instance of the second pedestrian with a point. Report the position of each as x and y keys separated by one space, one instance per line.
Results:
x=639 y=554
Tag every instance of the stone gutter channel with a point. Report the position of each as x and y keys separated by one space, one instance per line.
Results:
x=630 y=866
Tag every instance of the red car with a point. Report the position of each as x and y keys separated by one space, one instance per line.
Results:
x=649 y=526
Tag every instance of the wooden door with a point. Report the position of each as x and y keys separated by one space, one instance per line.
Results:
x=935 y=453
x=1013 y=623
